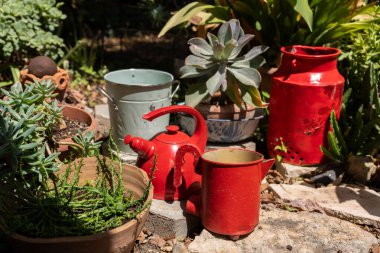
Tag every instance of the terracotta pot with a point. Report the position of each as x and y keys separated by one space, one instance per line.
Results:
x=117 y=240
x=78 y=114
x=61 y=80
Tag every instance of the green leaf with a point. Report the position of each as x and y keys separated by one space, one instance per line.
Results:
x=217 y=80
x=191 y=71
x=199 y=47
x=195 y=94
x=337 y=132
x=251 y=96
x=184 y=15
x=303 y=8
x=198 y=62
x=247 y=76
x=328 y=154
x=242 y=42
x=334 y=146
x=255 y=51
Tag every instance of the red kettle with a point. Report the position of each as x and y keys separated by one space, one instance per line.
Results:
x=170 y=183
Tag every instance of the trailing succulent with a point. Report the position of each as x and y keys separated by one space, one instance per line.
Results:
x=219 y=66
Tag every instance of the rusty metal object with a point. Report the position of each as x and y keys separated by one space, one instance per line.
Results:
x=61 y=79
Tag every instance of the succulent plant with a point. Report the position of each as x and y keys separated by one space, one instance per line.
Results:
x=219 y=65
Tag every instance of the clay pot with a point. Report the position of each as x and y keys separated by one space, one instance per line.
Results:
x=117 y=240
x=61 y=80
x=78 y=114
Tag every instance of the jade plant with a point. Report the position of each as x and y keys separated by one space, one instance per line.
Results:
x=220 y=65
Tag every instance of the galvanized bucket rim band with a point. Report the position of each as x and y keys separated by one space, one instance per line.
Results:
x=108 y=77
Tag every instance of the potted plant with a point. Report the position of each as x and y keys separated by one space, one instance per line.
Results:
x=61 y=121
x=90 y=205
x=226 y=89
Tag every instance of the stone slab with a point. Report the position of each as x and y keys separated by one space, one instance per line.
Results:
x=290 y=171
x=281 y=231
x=355 y=204
x=168 y=220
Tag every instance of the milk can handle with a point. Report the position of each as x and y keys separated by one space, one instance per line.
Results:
x=175 y=82
x=104 y=93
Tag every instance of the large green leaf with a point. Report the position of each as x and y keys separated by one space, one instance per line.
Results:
x=303 y=8
x=184 y=15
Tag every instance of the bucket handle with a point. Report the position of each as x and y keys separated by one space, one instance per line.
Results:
x=176 y=89
x=104 y=93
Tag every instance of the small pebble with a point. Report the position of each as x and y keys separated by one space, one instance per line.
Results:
x=339 y=251
x=167 y=248
x=289 y=247
x=260 y=227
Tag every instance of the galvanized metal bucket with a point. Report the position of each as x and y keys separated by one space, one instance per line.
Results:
x=132 y=93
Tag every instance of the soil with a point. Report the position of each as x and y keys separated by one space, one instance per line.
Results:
x=72 y=127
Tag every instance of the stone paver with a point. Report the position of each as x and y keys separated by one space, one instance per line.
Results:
x=168 y=220
x=355 y=204
x=281 y=231
x=290 y=171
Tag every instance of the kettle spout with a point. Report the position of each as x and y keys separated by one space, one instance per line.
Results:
x=145 y=149
x=265 y=167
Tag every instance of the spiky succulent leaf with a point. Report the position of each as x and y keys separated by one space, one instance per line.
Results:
x=247 y=76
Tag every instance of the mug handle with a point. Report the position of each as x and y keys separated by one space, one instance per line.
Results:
x=175 y=82
x=180 y=160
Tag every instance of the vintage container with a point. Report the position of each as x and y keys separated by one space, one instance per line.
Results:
x=132 y=93
x=305 y=89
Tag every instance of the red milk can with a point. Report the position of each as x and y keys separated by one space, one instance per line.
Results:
x=305 y=89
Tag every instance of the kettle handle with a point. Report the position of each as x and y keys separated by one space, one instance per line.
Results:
x=180 y=160
x=199 y=137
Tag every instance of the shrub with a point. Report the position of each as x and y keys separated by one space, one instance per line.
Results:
x=28 y=27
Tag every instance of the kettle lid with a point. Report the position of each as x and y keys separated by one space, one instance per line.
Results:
x=173 y=135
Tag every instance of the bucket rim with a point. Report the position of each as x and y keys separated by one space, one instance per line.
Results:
x=106 y=77
x=231 y=164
